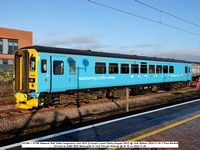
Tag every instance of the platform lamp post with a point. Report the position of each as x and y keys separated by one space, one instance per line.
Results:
x=127 y=99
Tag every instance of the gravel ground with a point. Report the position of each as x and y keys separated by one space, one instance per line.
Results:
x=6 y=107
x=6 y=92
x=77 y=112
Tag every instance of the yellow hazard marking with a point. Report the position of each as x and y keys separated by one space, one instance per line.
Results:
x=33 y=74
x=160 y=130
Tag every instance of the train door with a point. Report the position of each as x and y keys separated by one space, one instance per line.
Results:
x=44 y=78
x=58 y=72
x=187 y=71
x=73 y=82
x=165 y=73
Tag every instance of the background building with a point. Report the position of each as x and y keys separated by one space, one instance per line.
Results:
x=11 y=40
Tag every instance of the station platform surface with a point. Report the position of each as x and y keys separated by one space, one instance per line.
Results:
x=174 y=123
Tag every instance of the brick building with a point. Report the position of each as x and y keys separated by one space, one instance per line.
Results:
x=11 y=40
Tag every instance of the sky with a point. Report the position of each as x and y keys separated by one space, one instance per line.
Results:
x=82 y=24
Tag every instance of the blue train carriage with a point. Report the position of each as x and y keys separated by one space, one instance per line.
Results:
x=47 y=75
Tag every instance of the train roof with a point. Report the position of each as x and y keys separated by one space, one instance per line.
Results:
x=46 y=49
x=197 y=63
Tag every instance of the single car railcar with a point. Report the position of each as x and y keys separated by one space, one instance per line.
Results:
x=49 y=75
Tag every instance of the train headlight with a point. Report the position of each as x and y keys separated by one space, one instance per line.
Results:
x=31 y=80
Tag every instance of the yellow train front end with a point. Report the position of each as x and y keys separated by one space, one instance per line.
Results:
x=25 y=78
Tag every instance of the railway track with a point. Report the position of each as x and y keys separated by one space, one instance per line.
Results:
x=11 y=113
x=7 y=102
x=17 y=112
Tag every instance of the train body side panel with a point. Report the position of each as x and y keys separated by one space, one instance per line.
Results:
x=84 y=76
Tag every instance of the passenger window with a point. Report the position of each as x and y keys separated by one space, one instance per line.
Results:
x=171 y=69
x=72 y=67
x=165 y=69
x=143 y=68
x=188 y=69
x=113 y=68
x=151 y=68
x=158 y=69
x=58 y=67
x=125 y=68
x=134 y=68
x=100 y=68
x=32 y=64
x=43 y=65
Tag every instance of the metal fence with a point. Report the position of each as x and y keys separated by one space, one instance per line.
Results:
x=6 y=74
x=6 y=68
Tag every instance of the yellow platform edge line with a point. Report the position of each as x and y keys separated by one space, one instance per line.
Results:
x=159 y=130
x=162 y=129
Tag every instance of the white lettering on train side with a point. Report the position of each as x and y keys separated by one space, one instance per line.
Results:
x=97 y=78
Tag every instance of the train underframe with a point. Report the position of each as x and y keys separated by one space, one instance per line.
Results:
x=78 y=97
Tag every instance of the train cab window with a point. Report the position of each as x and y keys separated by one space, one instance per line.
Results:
x=186 y=70
x=125 y=68
x=32 y=64
x=113 y=68
x=171 y=69
x=151 y=68
x=134 y=68
x=58 y=67
x=72 y=67
x=43 y=65
x=158 y=69
x=100 y=68
x=165 y=69
x=143 y=68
